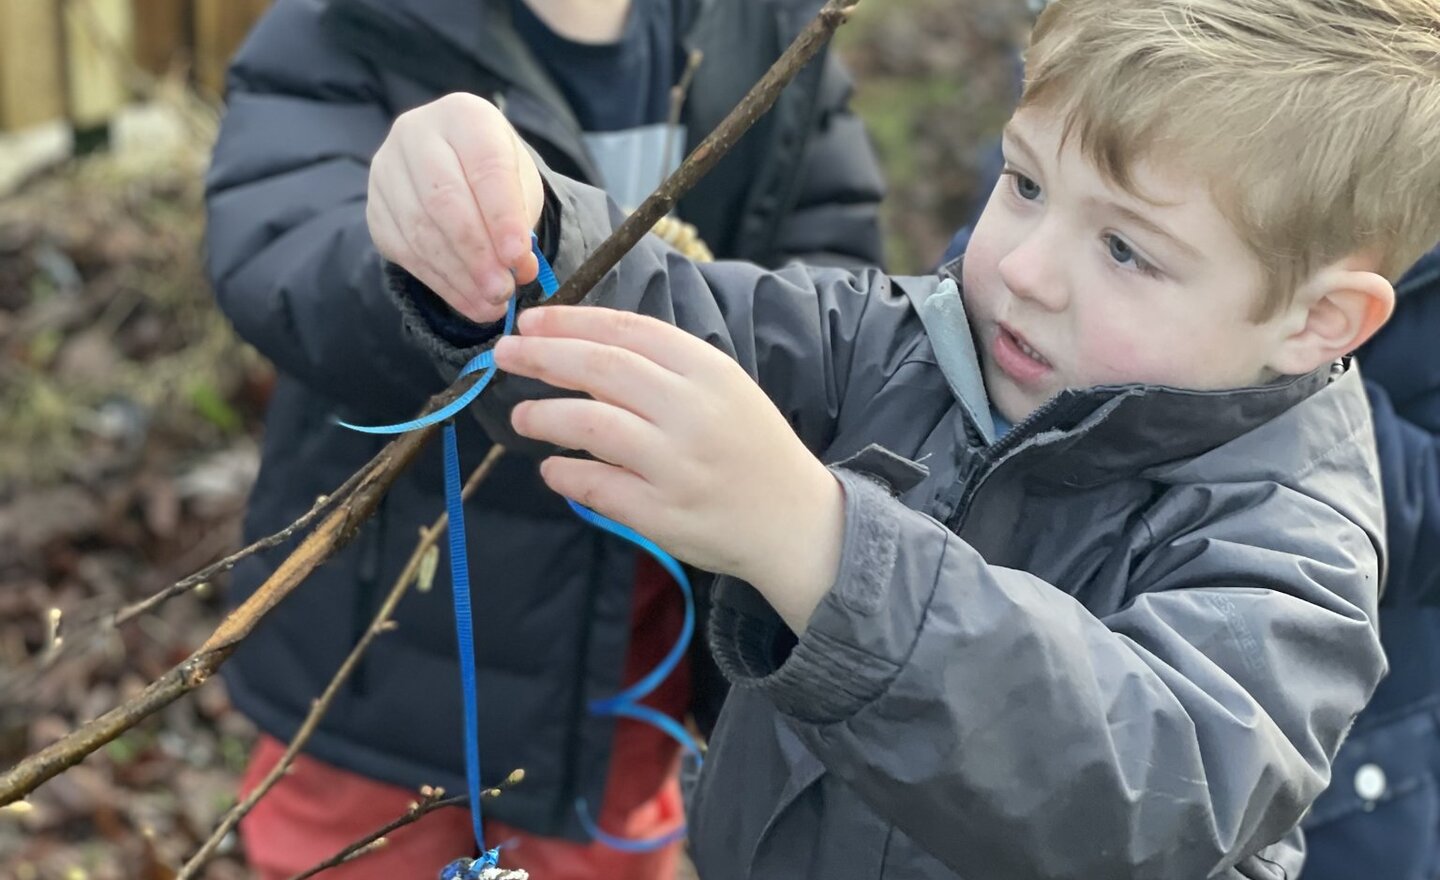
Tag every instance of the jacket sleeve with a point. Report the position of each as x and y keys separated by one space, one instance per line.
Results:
x=1011 y=733
x=288 y=250
x=835 y=219
x=813 y=338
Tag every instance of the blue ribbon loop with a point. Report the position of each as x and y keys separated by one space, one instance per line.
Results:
x=625 y=704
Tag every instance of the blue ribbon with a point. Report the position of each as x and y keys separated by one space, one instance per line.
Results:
x=624 y=704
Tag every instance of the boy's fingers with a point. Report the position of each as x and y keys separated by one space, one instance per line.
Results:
x=608 y=490
x=666 y=345
x=607 y=432
x=607 y=373
x=450 y=208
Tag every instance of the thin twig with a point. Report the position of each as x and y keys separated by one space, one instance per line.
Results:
x=15 y=687
x=366 y=844
x=336 y=530
x=321 y=705
x=209 y=572
x=430 y=801
x=678 y=93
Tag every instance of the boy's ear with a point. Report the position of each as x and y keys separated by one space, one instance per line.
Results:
x=1339 y=308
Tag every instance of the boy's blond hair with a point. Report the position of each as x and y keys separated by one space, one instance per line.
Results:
x=1315 y=122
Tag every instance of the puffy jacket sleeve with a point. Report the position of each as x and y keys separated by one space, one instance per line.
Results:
x=288 y=251
x=1012 y=733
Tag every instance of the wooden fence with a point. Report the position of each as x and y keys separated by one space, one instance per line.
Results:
x=80 y=60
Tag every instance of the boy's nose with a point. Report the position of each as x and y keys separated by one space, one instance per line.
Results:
x=1029 y=270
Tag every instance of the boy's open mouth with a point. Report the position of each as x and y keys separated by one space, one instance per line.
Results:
x=1018 y=358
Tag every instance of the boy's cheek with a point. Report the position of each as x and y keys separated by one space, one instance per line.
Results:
x=1109 y=356
x=974 y=280
x=1145 y=354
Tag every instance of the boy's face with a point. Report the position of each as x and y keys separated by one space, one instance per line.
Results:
x=1071 y=282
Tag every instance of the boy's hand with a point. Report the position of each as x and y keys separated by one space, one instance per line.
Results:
x=453 y=198
x=692 y=454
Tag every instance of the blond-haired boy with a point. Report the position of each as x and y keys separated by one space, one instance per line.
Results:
x=1088 y=586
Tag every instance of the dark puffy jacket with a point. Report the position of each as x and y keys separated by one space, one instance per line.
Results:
x=311 y=96
x=1381 y=815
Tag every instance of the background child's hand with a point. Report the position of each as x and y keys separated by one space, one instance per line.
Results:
x=691 y=452
x=453 y=198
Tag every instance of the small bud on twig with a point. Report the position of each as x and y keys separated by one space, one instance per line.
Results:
x=428 y=564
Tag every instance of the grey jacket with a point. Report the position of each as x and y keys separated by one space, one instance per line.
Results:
x=1124 y=641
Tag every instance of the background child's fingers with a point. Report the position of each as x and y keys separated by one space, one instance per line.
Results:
x=496 y=167
x=384 y=231
x=608 y=432
x=608 y=490
x=414 y=249
x=668 y=346
x=526 y=267
x=605 y=372
x=438 y=179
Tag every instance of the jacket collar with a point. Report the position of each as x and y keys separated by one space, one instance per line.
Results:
x=452 y=46
x=1089 y=436
x=472 y=45
x=442 y=43
x=446 y=44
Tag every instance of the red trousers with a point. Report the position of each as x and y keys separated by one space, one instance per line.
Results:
x=317 y=809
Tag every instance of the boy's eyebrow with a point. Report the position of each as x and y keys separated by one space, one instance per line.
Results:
x=1009 y=133
x=1150 y=226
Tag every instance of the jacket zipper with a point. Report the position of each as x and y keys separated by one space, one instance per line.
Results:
x=984 y=462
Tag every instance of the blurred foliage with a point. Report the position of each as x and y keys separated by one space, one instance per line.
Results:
x=108 y=333
x=935 y=83
x=127 y=414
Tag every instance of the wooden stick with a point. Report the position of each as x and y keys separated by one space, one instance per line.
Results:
x=380 y=624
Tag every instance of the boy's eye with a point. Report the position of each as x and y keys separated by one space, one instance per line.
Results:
x=1120 y=252
x=1026 y=188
